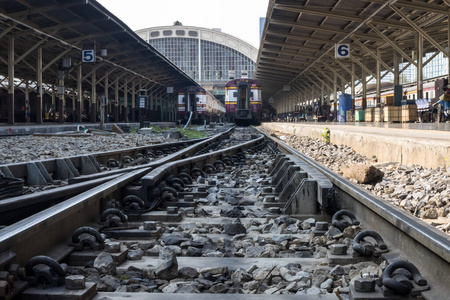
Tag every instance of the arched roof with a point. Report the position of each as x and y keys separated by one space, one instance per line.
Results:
x=211 y=35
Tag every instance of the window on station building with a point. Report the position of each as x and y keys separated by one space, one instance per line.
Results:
x=180 y=32
x=167 y=32
x=154 y=33
x=192 y=33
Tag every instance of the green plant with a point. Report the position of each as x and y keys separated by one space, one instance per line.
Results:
x=124 y=277
x=293 y=132
x=326 y=135
x=157 y=129
x=192 y=133
x=133 y=130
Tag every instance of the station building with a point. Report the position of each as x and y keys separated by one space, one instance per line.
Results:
x=209 y=56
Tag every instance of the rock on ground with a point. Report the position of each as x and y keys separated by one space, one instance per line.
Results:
x=363 y=173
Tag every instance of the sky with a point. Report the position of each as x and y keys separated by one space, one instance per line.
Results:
x=239 y=18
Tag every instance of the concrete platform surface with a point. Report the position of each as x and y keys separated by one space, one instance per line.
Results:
x=425 y=144
x=161 y=296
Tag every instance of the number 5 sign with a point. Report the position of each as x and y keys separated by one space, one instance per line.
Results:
x=88 y=56
x=342 y=51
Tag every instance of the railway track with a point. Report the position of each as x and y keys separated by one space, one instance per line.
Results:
x=61 y=178
x=255 y=220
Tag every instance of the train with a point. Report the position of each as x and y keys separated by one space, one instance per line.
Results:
x=431 y=92
x=196 y=104
x=243 y=101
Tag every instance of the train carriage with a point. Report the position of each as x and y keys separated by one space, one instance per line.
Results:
x=243 y=101
x=196 y=103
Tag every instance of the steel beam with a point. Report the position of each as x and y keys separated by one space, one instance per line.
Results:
x=375 y=56
x=419 y=29
x=390 y=42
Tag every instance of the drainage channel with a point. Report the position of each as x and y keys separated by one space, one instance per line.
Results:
x=242 y=222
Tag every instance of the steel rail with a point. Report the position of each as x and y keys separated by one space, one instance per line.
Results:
x=427 y=247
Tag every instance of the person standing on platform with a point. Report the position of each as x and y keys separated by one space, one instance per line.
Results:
x=445 y=102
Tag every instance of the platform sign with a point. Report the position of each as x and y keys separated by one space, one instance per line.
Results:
x=88 y=56
x=342 y=51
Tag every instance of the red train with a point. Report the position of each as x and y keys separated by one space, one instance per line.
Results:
x=243 y=101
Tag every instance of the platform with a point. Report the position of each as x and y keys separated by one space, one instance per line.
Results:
x=425 y=144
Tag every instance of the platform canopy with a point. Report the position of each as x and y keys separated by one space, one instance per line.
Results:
x=65 y=27
x=300 y=37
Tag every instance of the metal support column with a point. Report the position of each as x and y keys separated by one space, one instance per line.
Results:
x=353 y=87
x=93 y=118
x=39 y=90
x=53 y=108
x=61 y=101
x=396 y=68
x=107 y=101
x=419 y=66
x=335 y=97
x=378 y=89
x=133 y=100
x=79 y=105
x=163 y=108
x=104 y=104
x=125 y=101
x=364 y=87
x=151 y=108
x=27 y=102
x=116 y=100
x=11 y=80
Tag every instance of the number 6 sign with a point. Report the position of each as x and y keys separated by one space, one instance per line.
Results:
x=88 y=56
x=342 y=51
